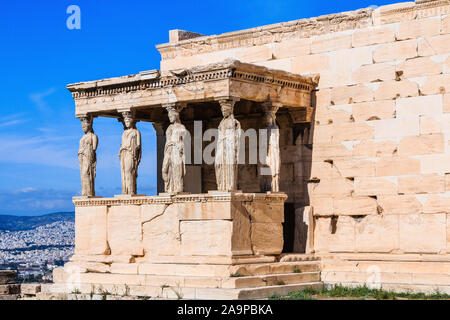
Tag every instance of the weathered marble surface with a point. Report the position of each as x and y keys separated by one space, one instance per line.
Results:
x=174 y=163
x=228 y=147
x=87 y=157
x=130 y=154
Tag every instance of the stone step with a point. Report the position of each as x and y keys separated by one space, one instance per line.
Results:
x=149 y=292
x=271 y=280
x=282 y=290
x=276 y=268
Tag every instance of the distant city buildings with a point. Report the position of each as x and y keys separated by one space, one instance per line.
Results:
x=35 y=253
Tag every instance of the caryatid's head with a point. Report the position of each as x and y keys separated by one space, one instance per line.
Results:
x=173 y=112
x=174 y=115
x=128 y=120
x=86 y=124
x=227 y=108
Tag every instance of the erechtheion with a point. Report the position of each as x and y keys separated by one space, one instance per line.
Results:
x=354 y=186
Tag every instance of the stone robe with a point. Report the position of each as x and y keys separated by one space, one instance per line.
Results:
x=227 y=154
x=130 y=157
x=87 y=159
x=273 y=156
x=174 y=164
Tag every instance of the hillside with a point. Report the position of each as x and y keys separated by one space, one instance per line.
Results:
x=18 y=223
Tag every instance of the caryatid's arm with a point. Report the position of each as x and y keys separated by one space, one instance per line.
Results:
x=139 y=146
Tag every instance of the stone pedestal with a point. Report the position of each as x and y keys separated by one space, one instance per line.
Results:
x=191 y=242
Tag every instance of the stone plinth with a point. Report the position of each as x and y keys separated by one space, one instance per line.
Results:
x=226 y=241
x=7 y=276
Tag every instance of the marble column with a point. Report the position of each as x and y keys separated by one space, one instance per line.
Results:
x=160 y=129
x=174 y=163
x=227 y=150
x=130 y=154
x=87 y=157
x=270 y=171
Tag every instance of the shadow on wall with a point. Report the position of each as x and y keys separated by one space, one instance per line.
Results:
x=298 y=225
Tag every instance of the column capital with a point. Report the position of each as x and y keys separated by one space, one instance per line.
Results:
x=174 y=106
x=227 y=99
x=271 y=106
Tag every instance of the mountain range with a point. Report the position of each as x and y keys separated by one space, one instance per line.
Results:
x=20 y=223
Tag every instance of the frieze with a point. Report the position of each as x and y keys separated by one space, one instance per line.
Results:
x=226 y=70
x=146 y=200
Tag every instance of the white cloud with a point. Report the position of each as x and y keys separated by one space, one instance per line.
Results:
x=38 y=98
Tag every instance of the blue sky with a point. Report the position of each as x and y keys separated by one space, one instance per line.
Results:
x=40 y=56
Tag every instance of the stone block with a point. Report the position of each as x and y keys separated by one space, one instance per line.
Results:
x=429 y=125
x=9 y=289
x=267 y=238
x=161 y=235
x=333 y=114
x=354 y=206
x=373 y=186
x=437 y=204
x=428 y=183
x=328 y=151
x=424 y=144
x=374 y=72
x=446 y=24
x=395 y=51
x=254 y=54
x=333 y=187
x=434 y=45
x=125 y=230
x=124 y=268
x=330 y=42
x=396 y=128
x=206 y=237
x=349 y=60
x=397 y=166
x=399 y=204
x=419 y=28
x=30 y=289
x=7 y=276
x=419 y=67
x=291 y=48
x=352 y=131
x=439 y=163
x=267 y=212
x=355 y=168
x=373 y=35
x=351 y=94
x=374 y=110
x=336 y=234
x=418 y=106
x=425 y=233
x=278 y=64
x=91 y=230
x=310 y=64
x=446 y=103
x=396 y=89
x=323 y=205
x=438 y=84
x=322 y=98
x=376 y=233
x=372 y=149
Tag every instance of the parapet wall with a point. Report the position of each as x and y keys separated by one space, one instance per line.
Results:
x=379 y=179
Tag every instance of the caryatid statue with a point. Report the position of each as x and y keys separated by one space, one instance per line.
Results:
x=174 y=163
x=273 y=161
x=130 y=153
x=227 y=149
x=87 y=157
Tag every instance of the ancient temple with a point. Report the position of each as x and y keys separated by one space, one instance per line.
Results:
x=352 y=188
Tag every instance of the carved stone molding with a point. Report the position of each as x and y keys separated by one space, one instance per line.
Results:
x=143 y=200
